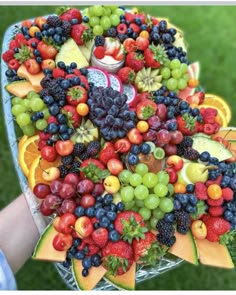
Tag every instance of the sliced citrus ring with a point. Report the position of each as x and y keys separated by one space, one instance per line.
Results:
x=219 y=103
x=22 y=141
x=36 y=170
x=27 y=153
x=220 y=118
x=159 y=153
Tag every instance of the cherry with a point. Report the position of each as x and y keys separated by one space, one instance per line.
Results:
x=49 y=153
x=87 y=201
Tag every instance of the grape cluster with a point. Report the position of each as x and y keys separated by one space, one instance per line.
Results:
x=109 y=111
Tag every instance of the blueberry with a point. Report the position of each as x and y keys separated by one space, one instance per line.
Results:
x=79 y=211
x=75 y=81
x=65 y=136
x=49 y=142
x=104 y=221
x=145 y=148
x=85 y=272
x=36 y=52
x=134 y=35
x=85 y=19
x=183 y=199
x=61 y=102
x=47 y=72
x=39 y=59
x=40 y=115
x=162 y=25
x=169 y=217
x=113 y=236
x=214 y=160
x=100 y=212
x=172 y=94
x=204 y=157
x=226 y=179
x=45 y=26
x=135 y=149
x=191 y=209
x=166 y=38
x=51 y=31
x=57 y=39
x=79 y=255
x=143 y=27
x=34 y=44
x=54 y=109
x=62 y=128
x=111 y=215
x=129 y=31
x=76 y=242
x=195 y=112
x=113 y=207
x=83 y=71
x=9 y=73
x=70 y=131
x=193 y=200
x=67 y=263
x=228 y=215
x=155 y=36
x=90 y=212
x=172 y=31
x=177 y=204
x=25 y=30
x=108 y=198
x=52 y=128
x=65 y=84
x=120 y=206
x=96 y=225
x=232 y=183
x=183 y=105
x=86 y=262
x=160 y=99
x=38 y=35
x=61 y=65
x=99 y=199
x=34 y=118
x=133 y=159
x=111 y=226
x=61 y=118
x=155 y=29
x=96 y=260
x=190 y=188
x=138 y=21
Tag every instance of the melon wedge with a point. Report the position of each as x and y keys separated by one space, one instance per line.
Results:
x=89 y=282
x=86 y=49
x=33 y=79
x=185 y=248
x=214 y=254
x=44 y=249
x=125 y=281
x=228 y=133
x=19 y=88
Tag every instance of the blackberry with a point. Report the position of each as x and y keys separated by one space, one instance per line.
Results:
x=180 y=150
x=165 y=228
x=79 y=148
x=75 y=167
x=122 y=37
x=93 y=147
x=99 y=41
x=182 y=218
x=43 y=93
x=84 y=156
x=187 y=141
x=63 y=171
x=66 y=28
x=182 y=229
x=54 y=21
x=191 y=154
x=45 y=81
x=168 y=241
x=111 y=32
x=67 y=160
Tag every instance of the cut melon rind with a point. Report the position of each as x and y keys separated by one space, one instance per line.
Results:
x=19 y=88
x=214 y=148
x=214 y=254
x=44 y=249
x=125 y=281
x=185 y=248
x=93 y=278
x=33 y=79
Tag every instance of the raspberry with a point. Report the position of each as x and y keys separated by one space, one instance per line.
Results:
x=8 y=55
x=216 y=181
x=57 y=72
x=215 y=203
x=227 y=194
x=32 y=40
x=14 y=44
x=121 y=28
x=13 y=64
x=99 y=52
x=201 y=191
x=135 y=28
x=216 y=211
x=208 y=128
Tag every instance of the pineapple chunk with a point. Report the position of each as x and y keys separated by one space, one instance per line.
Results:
x=86 y=49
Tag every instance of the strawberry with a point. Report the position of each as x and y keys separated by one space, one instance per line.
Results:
x=135 y=61
x=108 y=152
x=76 y=94
x=217 y=226
x=216 y=211
x=67 y=14
x=117 y=257
x=84 y=80
x=72 y=115
x=129 y=45
x=14 y=44
x=81 y=34
x=99 y=52
x=8 y=55
x=187 y=124
x=227 y=194
x=139 y=97
x=126 y=74
x=130 y=225
x=47 y=51
x=57 y=72
x=155 y=56
x=196 y=98
x=19 y=37
x=100 y=237
x=145 y=109
x=119 y=56
x=146 y=250
x=142 y=43
x=216 y=203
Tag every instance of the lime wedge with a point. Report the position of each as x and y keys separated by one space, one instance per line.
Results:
x=159 y=153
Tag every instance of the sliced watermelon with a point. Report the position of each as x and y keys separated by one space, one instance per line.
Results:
x=183 y=94
x=196 y=69
x=99 y=77
x=116 y=83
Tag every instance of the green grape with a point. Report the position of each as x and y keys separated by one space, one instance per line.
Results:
x=141 y=169
x=86 y=12
x=98 y=10
x=176 y=73
x=41 y=124
x=16 y=100
x=164 y=82
x=23 y=119
x=26 y=103
x=145 y=213
x=141 y=192
x=186 y=77
x=127 y=193
x=115 y=20
x=163 y=177
x=91 y=11
x=107 y=11
x=167 y=63
x=129 y=205
x=166 y=205
x=165 y=72
x=32 y=95
x=36 y=104
x=175 y=64
x=124 y=176
x=161 y=190
x=158 y=214
x=135 y=179
x=152 y=202
x=97 y=30
x=150 y=180
x=135 y=208
x=94 y=21
x=29 y=130
x=18 y=109
x=46 y=113
x=153 y=222
x=171 y=189
x=172 y=84
x=112 y=7
x=119 y=12
x=105 y=22
x=182 y=84
x=139 y=203
x=183 y=68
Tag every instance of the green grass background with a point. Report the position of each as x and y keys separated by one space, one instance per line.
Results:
x=210 y=32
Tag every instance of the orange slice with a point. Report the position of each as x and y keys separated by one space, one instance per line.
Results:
x=220 y=118
x=28 y=151
x=219 y=103
x=22 y=141
x=36 y=170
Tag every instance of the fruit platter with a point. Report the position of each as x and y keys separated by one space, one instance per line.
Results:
x=127 y=164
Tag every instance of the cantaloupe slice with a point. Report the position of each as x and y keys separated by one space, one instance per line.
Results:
x=89 y=282
x=185 y=248
x=33 y=79
x=19 y=88
x=125 y=281
x=228 y=133
x=214 y=254
x=44 y=249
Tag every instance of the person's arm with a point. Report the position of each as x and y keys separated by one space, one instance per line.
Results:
x=18 y=233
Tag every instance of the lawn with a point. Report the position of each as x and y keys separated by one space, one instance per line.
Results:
x=210 y=34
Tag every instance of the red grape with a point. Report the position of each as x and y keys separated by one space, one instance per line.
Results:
x=72 y=178
x=68 y=206
x=45 y=210
x=98 y=189
x=176 y=137
x=41 y=190
x=87 y=201
x=85 y=186
x=154 y=122
x=151 y=135
x=67 y=191
x=170 y=149
x=161 y=111
x=55 y=186
x=52 y=201
x=163 y=136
